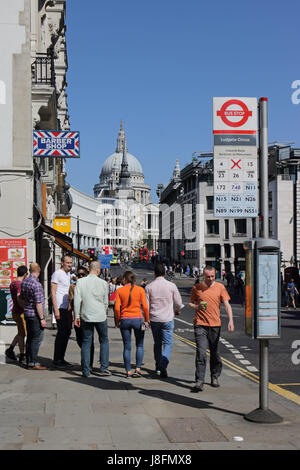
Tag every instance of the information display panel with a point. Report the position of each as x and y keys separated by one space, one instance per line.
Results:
x=267 y=322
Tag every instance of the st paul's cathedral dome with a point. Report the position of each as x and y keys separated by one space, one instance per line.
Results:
x=109 y=179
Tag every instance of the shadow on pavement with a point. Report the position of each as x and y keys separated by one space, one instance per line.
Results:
x=106 y=384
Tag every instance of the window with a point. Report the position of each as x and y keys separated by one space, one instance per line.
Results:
x=270 y=200
x=270 y=226
x=239 y=250
x=212 y=227
x=212 y=251
x=227 y=249
x=210 y=203
x=226 y=229
x=253 y=228
x=240 y=226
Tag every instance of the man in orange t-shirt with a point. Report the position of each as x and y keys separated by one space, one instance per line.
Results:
x=206 y=298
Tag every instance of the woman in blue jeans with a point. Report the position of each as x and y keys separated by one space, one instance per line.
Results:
x=129 y=316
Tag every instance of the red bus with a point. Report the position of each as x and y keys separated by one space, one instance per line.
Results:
x=144 y=254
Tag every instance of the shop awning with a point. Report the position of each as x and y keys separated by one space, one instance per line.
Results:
x=70 y=249
x=56 y=233
x=63 y=241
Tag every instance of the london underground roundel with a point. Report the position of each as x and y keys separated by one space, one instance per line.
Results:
x=236 y=117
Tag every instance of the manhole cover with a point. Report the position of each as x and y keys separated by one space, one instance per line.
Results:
x=191 y=430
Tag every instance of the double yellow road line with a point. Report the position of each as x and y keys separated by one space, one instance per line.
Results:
x=255 y=378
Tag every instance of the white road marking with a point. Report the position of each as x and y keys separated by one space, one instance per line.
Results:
x=183 y=321
x=252 y=369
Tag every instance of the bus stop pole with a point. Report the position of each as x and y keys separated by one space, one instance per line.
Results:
x=263 y=414
x=264 y=205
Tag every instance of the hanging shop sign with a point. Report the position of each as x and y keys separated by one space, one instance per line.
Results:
x=62 y=224
x=56 y=144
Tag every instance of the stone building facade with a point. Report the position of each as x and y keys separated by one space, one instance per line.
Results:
x=191 y=234
x=32 y=97
x=196 y=236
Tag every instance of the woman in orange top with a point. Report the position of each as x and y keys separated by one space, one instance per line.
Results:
x=128 y=316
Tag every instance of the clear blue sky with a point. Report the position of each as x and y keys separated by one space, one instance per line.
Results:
x=157 y=65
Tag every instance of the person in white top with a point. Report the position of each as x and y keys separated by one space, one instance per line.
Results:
x=60 y=285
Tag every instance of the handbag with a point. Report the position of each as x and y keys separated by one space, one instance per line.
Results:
x=112 y=299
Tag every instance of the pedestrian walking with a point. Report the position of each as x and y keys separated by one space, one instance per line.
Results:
x=60 y=285
x=163 y=299
x=90 y=306
x=112 y=289
x=230 y=279
x=18 y=316
x=205 y=299
x=240 y=287
x=291 y=290
x=128 y=317
x=82 y=272
x=33 y=300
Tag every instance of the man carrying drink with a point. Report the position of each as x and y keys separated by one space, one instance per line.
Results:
x=205 y=299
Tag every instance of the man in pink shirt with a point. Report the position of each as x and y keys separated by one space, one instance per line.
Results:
x=163 y=299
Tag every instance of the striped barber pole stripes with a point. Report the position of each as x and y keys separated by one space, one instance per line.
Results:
x=56 y=144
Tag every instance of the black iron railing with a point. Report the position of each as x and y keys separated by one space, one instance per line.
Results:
x=42 y=70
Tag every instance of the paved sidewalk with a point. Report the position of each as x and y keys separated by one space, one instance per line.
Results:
x=60 y=410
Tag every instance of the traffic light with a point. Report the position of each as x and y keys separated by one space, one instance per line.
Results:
x=92 y=253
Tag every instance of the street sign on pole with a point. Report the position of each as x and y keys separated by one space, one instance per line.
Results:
x=105 y=261
x=235 y=157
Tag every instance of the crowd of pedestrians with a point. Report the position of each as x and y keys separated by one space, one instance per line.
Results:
x=84 y=300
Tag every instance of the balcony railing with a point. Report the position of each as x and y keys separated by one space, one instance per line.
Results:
x=42 y=70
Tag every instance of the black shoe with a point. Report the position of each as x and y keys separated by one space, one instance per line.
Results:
x=66 y=363
x=59 y=365
x=22 y=358
x=214 y=382
x=163 y=373
x=10 y=354
x=198 y=387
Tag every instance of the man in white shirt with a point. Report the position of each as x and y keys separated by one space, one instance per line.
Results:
x=60 y=284
x=90 y=306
